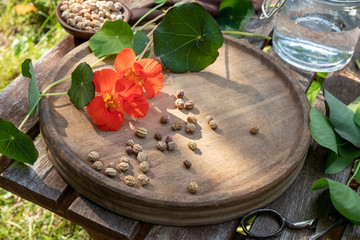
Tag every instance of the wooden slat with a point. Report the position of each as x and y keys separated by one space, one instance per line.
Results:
x=218 y=231
x=100 y=220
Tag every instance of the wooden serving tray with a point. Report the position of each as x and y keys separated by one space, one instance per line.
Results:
x=235 y=170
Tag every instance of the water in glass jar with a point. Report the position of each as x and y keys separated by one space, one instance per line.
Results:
x=315 y=42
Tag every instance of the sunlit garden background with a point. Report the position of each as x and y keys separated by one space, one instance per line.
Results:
x=27 y=30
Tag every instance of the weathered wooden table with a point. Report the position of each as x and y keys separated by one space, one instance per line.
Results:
x=42 y=185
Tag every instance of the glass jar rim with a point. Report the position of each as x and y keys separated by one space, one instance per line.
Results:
x=347 y=4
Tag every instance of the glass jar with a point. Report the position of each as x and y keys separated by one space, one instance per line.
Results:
x=317 y=35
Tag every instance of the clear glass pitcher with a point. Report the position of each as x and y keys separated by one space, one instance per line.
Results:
x=316 y=35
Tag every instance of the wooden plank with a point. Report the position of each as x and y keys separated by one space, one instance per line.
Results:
x=218 y=231
x=102 y=221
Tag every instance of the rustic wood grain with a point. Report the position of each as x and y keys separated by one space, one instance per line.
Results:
x=259 y=92
x=102 y=221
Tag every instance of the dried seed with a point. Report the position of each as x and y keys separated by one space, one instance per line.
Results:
x=141 y=157
x=189 y=104
x=165 y=118
x=191 y=119
x=213 y=124
x=254 y=130
x=125 y=160
x=137 y=148
x=192 y=145
x=71 y=22
x=193 y=187
x=98 y=165
x=171 y=146
x=130 y=142
x=141 y=132
x=190 y=128
x=157 y=136
x=161 y=146
x=123 y=166
x=179 y=93
x=111 y=172
x=143 y=179
x=129 y=150
x=111 y=165
x=208 y=118
x=187 y=164
x=169 y=139
x=176 y=126
x=144 y=166
x=93 y=156
x=129 y=180
x=179 y=103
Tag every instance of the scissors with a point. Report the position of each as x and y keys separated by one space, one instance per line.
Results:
x=321 y=226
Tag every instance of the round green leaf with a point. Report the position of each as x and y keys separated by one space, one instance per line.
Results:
x=15 y=144
x=111 y=38
x=34 y=95
x=82 y=88
x=139 y=42
x=187 y=39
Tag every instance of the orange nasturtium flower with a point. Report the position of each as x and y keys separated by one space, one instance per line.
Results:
x=115 y=98
x=145 y=73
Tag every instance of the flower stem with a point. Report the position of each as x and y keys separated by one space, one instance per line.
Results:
x=146 y=14
x=357 y=63
x=152 y=21
x=355 y=172
x=247 y=34
x=53 y=94
x=98 y=61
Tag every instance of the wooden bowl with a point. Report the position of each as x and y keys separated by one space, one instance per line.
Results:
x=82 y=33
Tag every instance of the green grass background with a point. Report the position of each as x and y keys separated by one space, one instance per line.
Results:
x=29 y=36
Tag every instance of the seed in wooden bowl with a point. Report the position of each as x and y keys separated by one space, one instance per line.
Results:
x=123 y=166
x=191 y=119
x=137 y=148
x=129 y=150
x=176 y=126
x=144 y=166
x=161 y=146
x=111 y=172
x=179 y=93
x=192 y=145
x=254 y=130
x=157 y=135
x=141 y=132
x=130 y=142
x=189 y=104
x=93 y=156
x=111 y=165
x=165 y=118
x=125 y=160
x=98 y=165
x=213 y=124
x=171 y=146
x=129 y=180
x=190 y=128
x=193 y=187
x=169 y=139
x=179 y=103
x=141 y=157
x=187 y=164
x=143 y=179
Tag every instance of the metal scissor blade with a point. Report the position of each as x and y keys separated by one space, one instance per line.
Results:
x=325 y=225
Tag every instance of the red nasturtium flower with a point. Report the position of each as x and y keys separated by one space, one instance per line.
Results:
x=115 y=98
x=145 y=73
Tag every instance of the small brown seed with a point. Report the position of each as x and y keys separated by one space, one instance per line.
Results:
x=179 y=103
x=137 y=148
x=171 y=146
x=98 y=165
x=213 y=124
x=187 y=164
x=93 y=156
x=208 y=118
x=165 y=118
x=141 y=157
x=169 y=139
x=111 y=172
x=190 y=128
x=130 y=142
x=176 y=126
x=179 y=93
x=129 y=180
x=141 y=132
x=189 y=104
x=157 y=136
x=254 y=130
x=192 y=145
x=129 y=150
x=161 y=146
x=125 y=160
x=193 y=187
x=123 y=166
x=143 y=179
x=191 y=119
x=111 y=165
x=144 y=166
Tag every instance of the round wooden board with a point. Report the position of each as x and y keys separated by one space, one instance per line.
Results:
x=235 y=170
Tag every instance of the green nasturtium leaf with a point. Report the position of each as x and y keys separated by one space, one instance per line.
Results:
x=322 y=130
x=16 y=144
x=354 y=105
x=34 y=94
x=111 y=38
x=187 y=39
x=341 y=118
x=82 y=88
x=139 y=42
x=234 y=14
x=344 y=199
x=356 y=117
x=347 y=153
x=357 y=175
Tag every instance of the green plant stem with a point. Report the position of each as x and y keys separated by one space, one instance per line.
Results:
x=98 y=61
x=152 y=21
x=357 y=63
x=146 y=14
x=53 y=94
x=247 y=34
x=355 y=172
